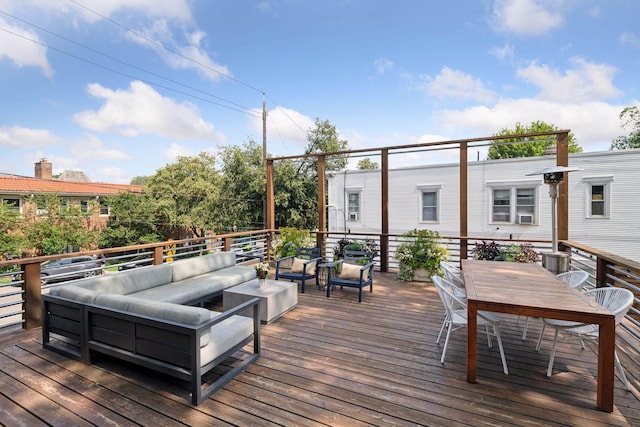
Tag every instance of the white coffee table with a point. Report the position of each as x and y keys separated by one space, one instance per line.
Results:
x=276 y=298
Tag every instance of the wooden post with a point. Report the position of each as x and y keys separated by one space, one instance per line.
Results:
x=322 y=206
x=463 y=201
x=384 y=186
x=32 y=305
x=562 y=159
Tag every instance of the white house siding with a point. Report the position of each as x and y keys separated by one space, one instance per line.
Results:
x=619 y=233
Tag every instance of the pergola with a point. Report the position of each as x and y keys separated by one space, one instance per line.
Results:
x=463 y=145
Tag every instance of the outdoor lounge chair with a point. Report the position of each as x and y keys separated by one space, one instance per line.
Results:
x=356 y=271
x=304 y=266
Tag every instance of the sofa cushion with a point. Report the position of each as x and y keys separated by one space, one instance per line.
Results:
x=75 y=293
x=224 y=336
x=198 y=288
x=190 y=267
x=162 y=310
x=126 y=282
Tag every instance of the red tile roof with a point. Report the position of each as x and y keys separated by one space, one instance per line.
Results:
x=25 y=185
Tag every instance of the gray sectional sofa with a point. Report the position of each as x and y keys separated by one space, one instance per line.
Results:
x=146 y=316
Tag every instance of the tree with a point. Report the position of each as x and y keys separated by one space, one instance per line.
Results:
x=186 y=195
x=11 y=226
x=140 y=180
x=132 y=221
x=630 y=117
x=324 y=139
x=242 y=186
x=367 y=164
x=54 y=226
x=529 y=147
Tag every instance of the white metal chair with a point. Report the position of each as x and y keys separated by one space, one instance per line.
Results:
x=574 y=278
x=616 y=300
x=456 y=318
x=452 y=273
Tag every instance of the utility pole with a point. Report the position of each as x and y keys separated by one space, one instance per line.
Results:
x=264 y=128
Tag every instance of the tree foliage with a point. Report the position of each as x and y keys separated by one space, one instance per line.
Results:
x=11 y=231
x=367 y=164
x=55 y=226
x=324 y=138
x=186 y=195
x=630 y=117
x=528 y=147
x=132 y=221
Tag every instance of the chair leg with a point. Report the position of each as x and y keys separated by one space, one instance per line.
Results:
x=524 y=330
x=445 y=321
x=623 y=377
x=446 y=343
x=486 y=328
x=504 y=360
x=544 y=325
x=553 y=353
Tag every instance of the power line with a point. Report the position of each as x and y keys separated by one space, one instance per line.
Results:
x=113 y=58
x=247 y=111
x=152 y=41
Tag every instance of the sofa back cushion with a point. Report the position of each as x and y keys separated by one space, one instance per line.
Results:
x=196 y=266
x=129 y=281
x=162 y=310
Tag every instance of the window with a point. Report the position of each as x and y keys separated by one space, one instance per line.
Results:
x=598 y=196
x=514 y=204
x=104 y=207
x=353 y=206
x=84 y=206
x=11 y=203
x=429 y=203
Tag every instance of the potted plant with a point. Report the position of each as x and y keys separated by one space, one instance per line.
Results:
x=420 y=255
x=262 y=271
x=367 y=245
x=288 y=241
x=511 y=252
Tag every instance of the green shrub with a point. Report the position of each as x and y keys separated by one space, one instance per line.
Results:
x=289 y=240
x=421 y=250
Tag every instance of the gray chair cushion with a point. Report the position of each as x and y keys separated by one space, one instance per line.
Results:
x=224 y=336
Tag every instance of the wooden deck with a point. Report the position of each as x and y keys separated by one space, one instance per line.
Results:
x=330 y=362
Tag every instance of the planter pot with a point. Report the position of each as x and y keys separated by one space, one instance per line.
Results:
x=421 y=275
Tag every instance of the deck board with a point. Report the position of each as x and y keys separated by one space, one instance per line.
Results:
x=330 y=362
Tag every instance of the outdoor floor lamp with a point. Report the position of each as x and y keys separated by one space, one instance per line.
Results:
x=556 y=262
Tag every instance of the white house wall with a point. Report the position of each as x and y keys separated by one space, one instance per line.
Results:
x=619 y=233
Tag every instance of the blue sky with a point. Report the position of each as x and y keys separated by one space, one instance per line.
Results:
x=119 y=88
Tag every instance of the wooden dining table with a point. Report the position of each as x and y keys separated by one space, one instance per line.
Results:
x=528 y=289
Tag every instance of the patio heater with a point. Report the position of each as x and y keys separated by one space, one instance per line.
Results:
x=556 y=262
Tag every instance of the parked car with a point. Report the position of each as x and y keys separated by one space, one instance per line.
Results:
x=64 y=269
x=138 y=261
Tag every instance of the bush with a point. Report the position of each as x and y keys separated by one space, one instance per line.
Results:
x=289 y=240
x=367 y=245
x=511 y=252
x=421 y=250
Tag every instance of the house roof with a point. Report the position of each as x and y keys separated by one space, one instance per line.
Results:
x=25 y=185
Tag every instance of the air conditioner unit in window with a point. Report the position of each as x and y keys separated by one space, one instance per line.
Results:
x=525 y=219
x=353 y=217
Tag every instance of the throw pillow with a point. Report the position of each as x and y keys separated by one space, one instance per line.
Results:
x=352 y=272
x=298 y=266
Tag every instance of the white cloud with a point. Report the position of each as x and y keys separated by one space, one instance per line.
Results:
x=586 y=81
x=630 y=39
x=284 y=126
x=92 y=147
x=455 y=84
x=20 y=137
x=113 y=175
x=142 y=110
x=382 y=65
x=22 y=48
x=176 y=150
x=526 y=17
x=505 y=52
x=592 y=135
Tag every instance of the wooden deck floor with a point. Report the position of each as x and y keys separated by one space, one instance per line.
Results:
x=329 y=362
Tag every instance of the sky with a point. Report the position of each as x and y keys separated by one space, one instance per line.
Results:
x=120 y=88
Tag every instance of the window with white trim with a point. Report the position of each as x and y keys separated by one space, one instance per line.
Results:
x=429 y=203
x=84 y=206
x=598 y=196
x=353 y=206
x=104 y=206
x=514 y=204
